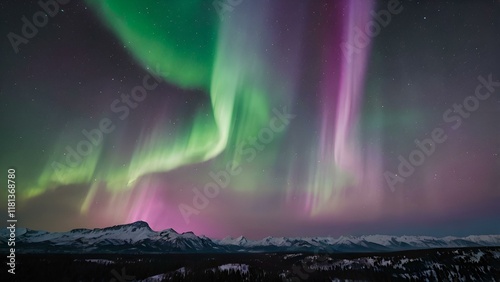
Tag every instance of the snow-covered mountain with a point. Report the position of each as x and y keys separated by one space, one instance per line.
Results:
x=138 y=237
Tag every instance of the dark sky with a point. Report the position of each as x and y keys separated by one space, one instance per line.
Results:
x=266 y=118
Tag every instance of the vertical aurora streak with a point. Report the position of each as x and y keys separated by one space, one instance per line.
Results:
x=339 y=164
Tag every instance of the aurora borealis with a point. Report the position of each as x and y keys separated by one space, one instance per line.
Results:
x=261 y=104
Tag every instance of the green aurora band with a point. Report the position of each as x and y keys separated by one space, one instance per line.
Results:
x=195 y=51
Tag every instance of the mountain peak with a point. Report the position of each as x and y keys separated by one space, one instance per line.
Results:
x=241 y=239
x=169 y=230
x=140 y=224
x=234 y=241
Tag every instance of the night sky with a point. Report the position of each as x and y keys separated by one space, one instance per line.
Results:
x=265 y=118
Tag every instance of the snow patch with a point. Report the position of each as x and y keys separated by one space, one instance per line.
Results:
x=242 y=268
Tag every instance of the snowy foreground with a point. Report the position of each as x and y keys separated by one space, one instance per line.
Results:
x=461 y=264
x=445 y=265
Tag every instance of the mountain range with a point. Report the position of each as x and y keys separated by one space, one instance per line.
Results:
x=138 y=237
